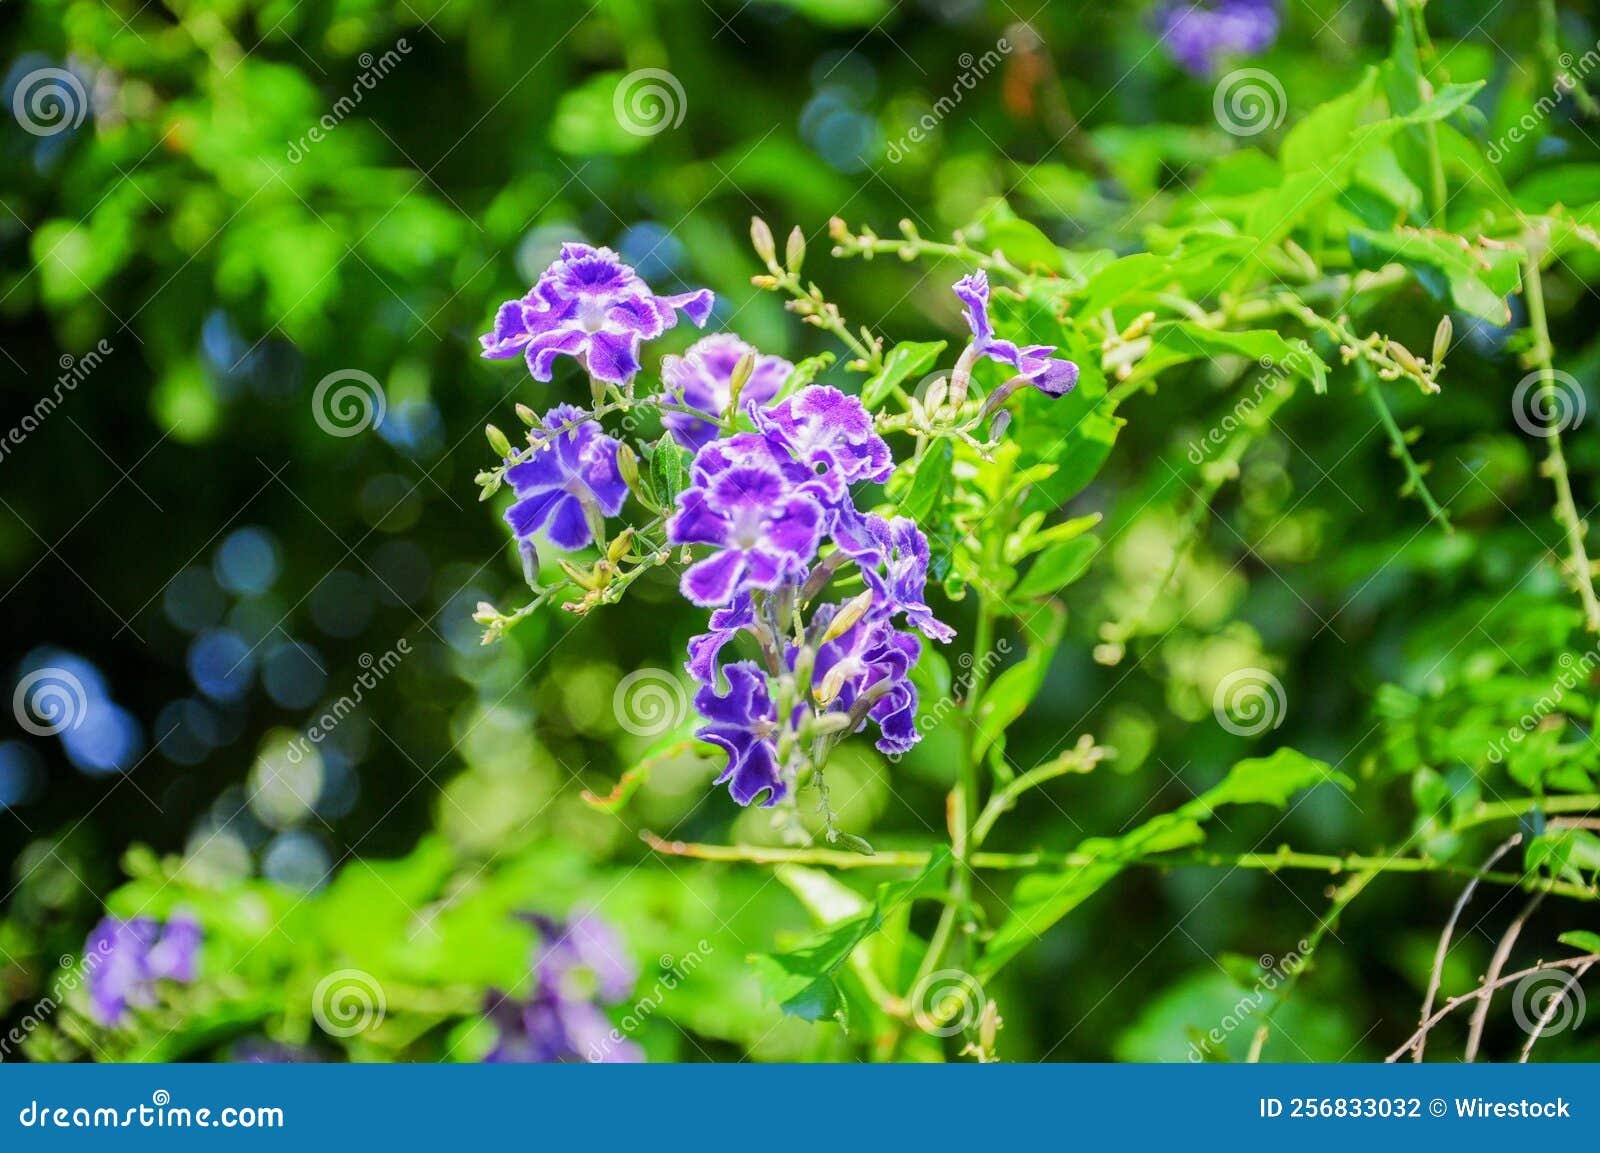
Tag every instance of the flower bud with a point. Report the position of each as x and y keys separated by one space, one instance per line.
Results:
x=628 y=466
x=847 y=618
x=794 y=254
x=527 y=416
x=739 y=378
x=530 y=563
x=761 y=240
x=485 y=613
x=1441 y=339
x=832 y=684
x=497 y=441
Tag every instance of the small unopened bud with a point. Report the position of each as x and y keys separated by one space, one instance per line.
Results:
x=848 y=617
x=619 y=547
x=527 y=416
x=998 y=426
x=739 y=378
x=1441 y=339
x=497 y=441
x=530 y=561
x=794 y=253
x=832 y=684
x=1405 y=358
x=761 y=240
x=1141 y=325
x=628 y=465
x=830 y=723
x=485 y=613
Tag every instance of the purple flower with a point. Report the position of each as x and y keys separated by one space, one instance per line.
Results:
x=1034 y=364
x=726 y=623
x=584 y=951
x=765 y=528
x=578 y=468
x=872 y=659
x=701 y=379
x=124 y=959
x=576 y=962
x=547 y=1029
x=592 y=307
x=1199 y=35
x=899 y=547
x=828 y=432
x=742 y=723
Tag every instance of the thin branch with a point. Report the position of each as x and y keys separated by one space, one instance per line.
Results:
x=1455 y=1003
x=1437 y=975
x=1497 y=965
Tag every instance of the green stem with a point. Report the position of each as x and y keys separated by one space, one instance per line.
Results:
x=1555 y=458
x=1402 y=450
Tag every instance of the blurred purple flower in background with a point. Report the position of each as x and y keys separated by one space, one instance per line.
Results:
x=125 y=959
x=1200 y=35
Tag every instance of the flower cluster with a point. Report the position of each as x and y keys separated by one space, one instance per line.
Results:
x=826 y=596
x=131 y=956
x=1200 y=35
x=578 y=966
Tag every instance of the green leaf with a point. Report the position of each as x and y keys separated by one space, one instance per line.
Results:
x=1581 y=939
x=802 y=980
x=1189 y=341
x=1042 y=899
x=1058 y=566
x=928 y=486
x=1473 y=278
x=669 y=470
x=907 y=359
